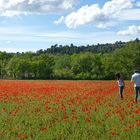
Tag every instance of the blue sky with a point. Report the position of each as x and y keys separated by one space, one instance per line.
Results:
x=30 y=25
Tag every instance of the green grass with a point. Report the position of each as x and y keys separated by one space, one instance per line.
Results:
x=30 y=120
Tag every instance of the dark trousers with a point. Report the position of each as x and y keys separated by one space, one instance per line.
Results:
x=121 y=91
x=137 y=92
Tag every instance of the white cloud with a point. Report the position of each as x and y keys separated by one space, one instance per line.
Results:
x=84 y=15
x=132 y=30
x=114 y=7
x=9 y=13
x=16 y=7
x=95 y=14
x=130 y=14
x=59 y=20
x=106 y=25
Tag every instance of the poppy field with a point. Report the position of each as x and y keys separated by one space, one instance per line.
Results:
x=67 y=110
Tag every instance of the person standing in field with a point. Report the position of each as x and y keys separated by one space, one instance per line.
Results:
x=121 y=84
x=136 y=79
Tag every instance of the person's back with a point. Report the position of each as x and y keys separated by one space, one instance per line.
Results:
x=136 y=79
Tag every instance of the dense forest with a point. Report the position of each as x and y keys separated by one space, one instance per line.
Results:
x=95 y=62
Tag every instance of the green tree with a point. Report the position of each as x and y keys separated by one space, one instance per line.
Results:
x=4 y=58
x=62 y=69
x=82 y=65
x=45 y=65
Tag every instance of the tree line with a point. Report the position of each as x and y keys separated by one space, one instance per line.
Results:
x=81 y=65
x=71 y=49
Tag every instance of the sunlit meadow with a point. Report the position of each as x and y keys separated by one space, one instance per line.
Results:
x=67 y=110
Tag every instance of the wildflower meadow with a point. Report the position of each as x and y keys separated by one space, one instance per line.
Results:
x=67 y=110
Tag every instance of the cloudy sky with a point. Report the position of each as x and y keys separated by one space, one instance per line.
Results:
x=30 y=25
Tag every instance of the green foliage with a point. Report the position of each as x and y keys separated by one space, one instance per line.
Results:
x=71 y=49
x=62 y=68
x=71 y=64
x=4 y=58
x=25 y=67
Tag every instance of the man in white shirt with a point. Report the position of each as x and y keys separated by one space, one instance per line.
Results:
x=136 y=79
